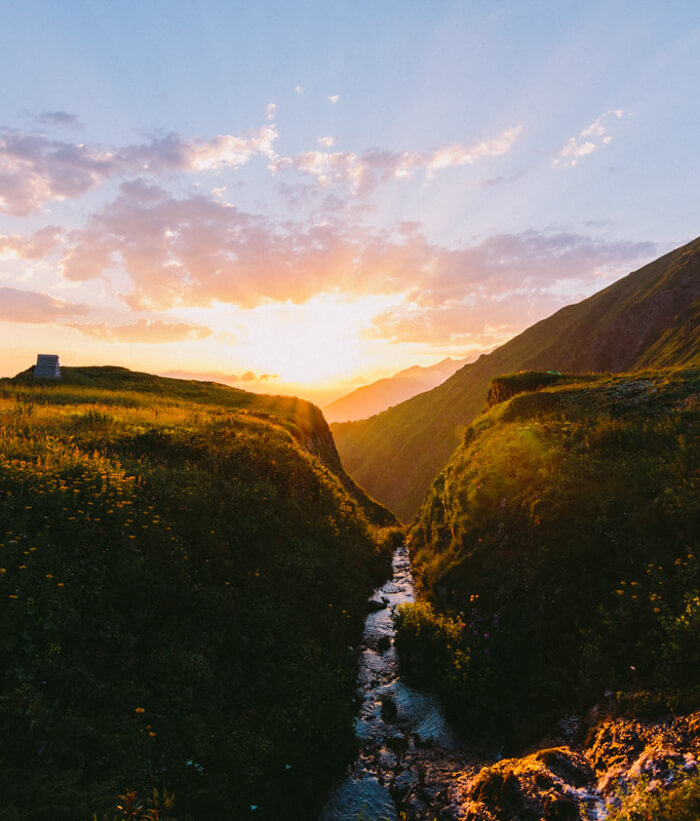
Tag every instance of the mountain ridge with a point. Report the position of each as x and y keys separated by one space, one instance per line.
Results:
x=371 y=399
x=649 y=318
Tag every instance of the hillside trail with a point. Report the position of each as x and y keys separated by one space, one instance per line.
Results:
x=407 y=750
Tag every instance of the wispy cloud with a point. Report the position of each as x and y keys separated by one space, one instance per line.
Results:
x=35 y=307
x=363 y=172
x=59 y=118
x=35 y=169
x=587 y=141
x=271 y=111
x=326 y=142
x=146 y=331
x=222 y=376
x=333 y=98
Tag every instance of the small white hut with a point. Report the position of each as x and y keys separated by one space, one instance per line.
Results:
x=47 y=367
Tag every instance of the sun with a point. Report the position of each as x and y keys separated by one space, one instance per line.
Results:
x=319 y=341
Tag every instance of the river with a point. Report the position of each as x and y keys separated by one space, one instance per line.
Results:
x=405 y=743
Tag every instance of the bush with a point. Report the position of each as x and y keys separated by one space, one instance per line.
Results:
x=680 y=803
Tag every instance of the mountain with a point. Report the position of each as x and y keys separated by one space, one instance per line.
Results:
x=378 y=396
x=185 y=573
x=650 y=318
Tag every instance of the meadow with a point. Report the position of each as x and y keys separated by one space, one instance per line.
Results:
x=183 y=582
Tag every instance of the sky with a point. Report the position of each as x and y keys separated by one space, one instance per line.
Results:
x=305 y=197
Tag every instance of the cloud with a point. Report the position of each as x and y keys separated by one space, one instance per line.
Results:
x=145 y=330
x=299 y=89
x=587 y=141
x=333 y=98
x=220 y=376
x=37 y=246
x=271 y=111
x=59 y=118
x=34 y=307
x=486 y=292
x=199 y=251
x=326 y=142
x=36 y=169
x=480 y=320
x=361 y=173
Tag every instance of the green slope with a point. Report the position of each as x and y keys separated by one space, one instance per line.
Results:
x=122 y=387
x=556 y=555
x=647 y=319
x=182 y=578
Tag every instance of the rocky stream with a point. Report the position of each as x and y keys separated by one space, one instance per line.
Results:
x=412 y=765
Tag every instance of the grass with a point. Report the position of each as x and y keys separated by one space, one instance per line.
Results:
x=557 y=554
x=679 y=803
x=182 y=579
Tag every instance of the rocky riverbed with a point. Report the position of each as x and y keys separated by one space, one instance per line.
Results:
x=412 y=765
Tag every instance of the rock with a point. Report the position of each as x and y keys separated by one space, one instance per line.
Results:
x=383 y=644
x=561 y=808
x=487 y=787
x=402 y=784
x=569 y=766
x=389 y=709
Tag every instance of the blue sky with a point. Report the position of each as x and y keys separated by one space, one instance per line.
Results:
x=326 y=193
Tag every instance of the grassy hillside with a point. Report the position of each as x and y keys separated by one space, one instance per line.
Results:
x=648 y=319
x=557 y=554
x=182 y=579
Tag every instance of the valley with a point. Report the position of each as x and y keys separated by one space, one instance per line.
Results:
x=187 y=572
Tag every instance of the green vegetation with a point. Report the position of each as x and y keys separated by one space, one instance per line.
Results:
x=557 y=554
x=680 y=803
x=183 y=580
x=511 y=384
x=648 y=319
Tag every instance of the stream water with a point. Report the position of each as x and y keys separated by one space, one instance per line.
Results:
x=397 y=726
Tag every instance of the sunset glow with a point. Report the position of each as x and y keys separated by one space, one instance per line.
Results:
x=356 y=190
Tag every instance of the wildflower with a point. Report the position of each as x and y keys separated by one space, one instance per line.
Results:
x=49 y=575
x=152 y=734
x=60 y=584
x=140 y=710
x=13 y=596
